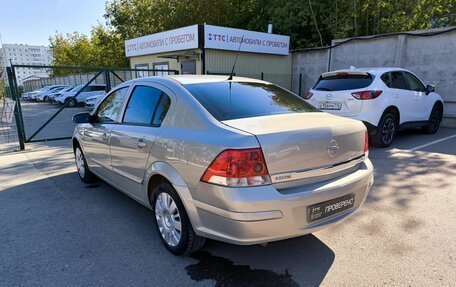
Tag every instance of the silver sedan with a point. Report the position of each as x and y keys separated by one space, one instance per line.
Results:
x=242 y=161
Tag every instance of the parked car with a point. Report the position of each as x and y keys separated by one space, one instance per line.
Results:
x=385 y=99
x=43 y=96
x=242 y=161
x=45 y=91
x=52 y=96
x=91 y=90
x=27 y=95
x=92 y=101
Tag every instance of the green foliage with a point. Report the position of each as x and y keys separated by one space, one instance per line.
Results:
x=310 y=23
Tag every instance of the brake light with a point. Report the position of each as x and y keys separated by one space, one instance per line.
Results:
x=238 y=168
x=308 y=95
x=367 y=95
x=366 y=144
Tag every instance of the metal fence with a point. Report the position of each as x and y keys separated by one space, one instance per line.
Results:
x=46 y=114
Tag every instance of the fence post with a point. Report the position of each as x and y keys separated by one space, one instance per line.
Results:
x=262 y=76
x=107 y=76
x=300 y=84
x=17 y=110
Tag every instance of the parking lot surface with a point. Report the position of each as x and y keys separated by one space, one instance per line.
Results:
x=55 y=230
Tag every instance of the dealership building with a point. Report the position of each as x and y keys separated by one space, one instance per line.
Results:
x=207 y=49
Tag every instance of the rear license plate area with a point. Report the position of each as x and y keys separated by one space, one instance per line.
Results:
x=330 y=105
x=327 y=208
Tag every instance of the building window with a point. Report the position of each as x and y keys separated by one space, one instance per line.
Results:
x=142 y=74
x=162 y=67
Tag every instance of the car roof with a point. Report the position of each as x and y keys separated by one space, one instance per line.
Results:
x=199 y=79
x=370 y=70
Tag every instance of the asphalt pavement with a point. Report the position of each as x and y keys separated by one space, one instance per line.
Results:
x=57 y=231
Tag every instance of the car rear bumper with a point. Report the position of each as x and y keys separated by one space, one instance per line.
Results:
x=255 y=215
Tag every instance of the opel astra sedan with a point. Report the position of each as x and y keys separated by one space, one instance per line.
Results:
x=241 y=161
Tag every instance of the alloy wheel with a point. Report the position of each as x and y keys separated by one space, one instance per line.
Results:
x=80 y=165
x=388 y=130
x=435 y=119
x=168 y=219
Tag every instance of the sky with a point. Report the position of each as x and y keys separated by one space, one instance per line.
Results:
x=33 y=21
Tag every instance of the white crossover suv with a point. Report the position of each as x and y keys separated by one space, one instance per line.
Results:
x=385 y=99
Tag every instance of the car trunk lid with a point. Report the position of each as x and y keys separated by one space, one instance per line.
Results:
x=303 y=142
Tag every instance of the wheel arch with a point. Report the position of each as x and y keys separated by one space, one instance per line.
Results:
x=162 y=171
x=392 y=109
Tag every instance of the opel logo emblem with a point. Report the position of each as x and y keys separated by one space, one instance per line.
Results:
x=329 y=96
x=333 y=148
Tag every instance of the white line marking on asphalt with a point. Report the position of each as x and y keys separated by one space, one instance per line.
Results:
x=431 y=143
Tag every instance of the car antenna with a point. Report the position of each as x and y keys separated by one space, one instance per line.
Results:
x=235 y=60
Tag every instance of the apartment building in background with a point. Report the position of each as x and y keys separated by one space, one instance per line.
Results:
x=25 y=55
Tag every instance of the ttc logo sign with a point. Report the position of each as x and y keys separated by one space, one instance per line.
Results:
x=217 y=37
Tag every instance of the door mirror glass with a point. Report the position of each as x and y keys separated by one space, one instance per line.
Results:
x=81 y=118
x=430 y=89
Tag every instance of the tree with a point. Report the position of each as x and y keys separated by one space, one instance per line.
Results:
x=309 y=23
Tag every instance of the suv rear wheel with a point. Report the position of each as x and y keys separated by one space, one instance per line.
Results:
x=171 y=220
x=387 y=129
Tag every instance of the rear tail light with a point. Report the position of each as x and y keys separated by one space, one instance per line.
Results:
x=367 y=95
x=308 y=95
x=238 y=168
x=366 y=144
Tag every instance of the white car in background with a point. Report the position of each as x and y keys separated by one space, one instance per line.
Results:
x=385 y=99
x=92 y=101
x=28 y=95
x=53 y=95
x=91 y=90
x=43 y=96
x=45 y=91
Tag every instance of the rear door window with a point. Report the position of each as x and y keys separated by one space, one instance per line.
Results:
x=343 y=82
x=236 y=100
x=398 y=81
x=146 y=106
x=386 y=78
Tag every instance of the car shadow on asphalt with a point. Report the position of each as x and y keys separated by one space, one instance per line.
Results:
x=74 y=225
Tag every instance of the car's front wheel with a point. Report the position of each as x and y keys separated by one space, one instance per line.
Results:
x=434 y=120
x=171 y=220
x=387 y=129
x=81 y=165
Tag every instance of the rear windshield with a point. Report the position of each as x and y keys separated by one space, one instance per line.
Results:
x=343 y=82
x=236 y=100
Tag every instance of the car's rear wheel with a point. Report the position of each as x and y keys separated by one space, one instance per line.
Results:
x=81 y=165
x=171 y=220
x=387 y=129
x=434 y=120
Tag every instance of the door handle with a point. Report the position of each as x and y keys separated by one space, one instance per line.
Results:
x=104 y=136
x=141 y=143
x=397 y=96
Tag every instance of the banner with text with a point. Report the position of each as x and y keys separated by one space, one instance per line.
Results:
x=222 y=38
x=172 y=40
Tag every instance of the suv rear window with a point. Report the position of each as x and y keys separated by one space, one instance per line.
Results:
x=236 y=100
x=343 y=82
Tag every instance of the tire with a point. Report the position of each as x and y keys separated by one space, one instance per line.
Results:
x=45 y=99
x=170 y=214
x=72 y=103
x=434 y=120
x=387 y=129
x=81 y=165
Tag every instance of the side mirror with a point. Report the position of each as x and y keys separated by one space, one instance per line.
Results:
x=430 y=89
x=82 y=118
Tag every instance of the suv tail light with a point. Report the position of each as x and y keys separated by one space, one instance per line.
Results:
x=308 y=95
x=367 y=95
x=238 y=168
x=366 y=144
